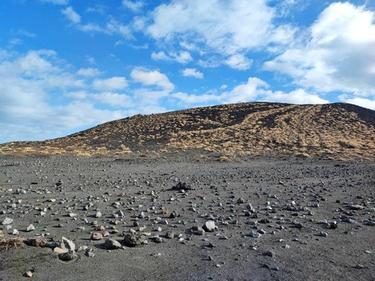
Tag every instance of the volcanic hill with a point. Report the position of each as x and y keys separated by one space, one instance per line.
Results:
x=340 y=131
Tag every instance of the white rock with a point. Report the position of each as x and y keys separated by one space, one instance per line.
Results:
x=7 y=221
x=209 y=226
x=30 y=228
x=68 y=244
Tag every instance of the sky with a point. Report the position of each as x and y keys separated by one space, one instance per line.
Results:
x=68 y=65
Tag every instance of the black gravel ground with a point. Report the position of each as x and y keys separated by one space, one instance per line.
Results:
x=295 y=205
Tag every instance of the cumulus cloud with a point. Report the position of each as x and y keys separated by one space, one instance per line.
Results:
x=299 y=96
x=111 y=27
x=239 y=62
x=192 y=72
x=254 y=89
x=338 y=54
x=226 y=28
x=88 y=72
x=112 y=99
x=113 y=83
x=134 y=6
x=71 y=15
x=151 y=78
x=28 y=83
x=182 y=57
x=367 y=103
x=56 y=2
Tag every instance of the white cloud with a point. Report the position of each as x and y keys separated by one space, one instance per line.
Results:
x=224 y=28
x=134 y=6
x=245 y=92
x=151 y=78
x=28 y=83
x=367 y=103
x=239 y=62
x=91 y=28
x=112 y=27
x=71 y=15
x=192 y=72
x=160 y=56
x=182 y=57
x=77 y=95
x=113 y=83
x=254 y=89
x=88 y=72
x=56 y=2
x=298 y=96
x=36 y=62
x=338 y=54
x=113 y=99
x=115 y=27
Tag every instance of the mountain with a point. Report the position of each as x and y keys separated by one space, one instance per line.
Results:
x=342 y=131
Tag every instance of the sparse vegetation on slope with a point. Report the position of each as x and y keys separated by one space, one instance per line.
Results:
x=333 y=130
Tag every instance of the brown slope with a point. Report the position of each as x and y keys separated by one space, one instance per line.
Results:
x=334 y=130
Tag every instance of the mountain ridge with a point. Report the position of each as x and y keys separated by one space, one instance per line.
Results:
x=337 y=130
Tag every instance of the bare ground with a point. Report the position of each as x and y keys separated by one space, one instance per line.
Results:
x=290 y=197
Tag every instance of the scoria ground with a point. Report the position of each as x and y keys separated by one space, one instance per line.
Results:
x=276 y=219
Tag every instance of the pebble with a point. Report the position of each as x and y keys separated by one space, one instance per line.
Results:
x=68 y=244
x=269 y=254
x=38 y=241
x=89 y=253
x=156 y=239
x=30 y=228
x=96 y=235
x=68 y=256
x=209 y=226
x=133 y=240
x=7 y=221
x=28 y=274
x=111 y=244
x=197 y=230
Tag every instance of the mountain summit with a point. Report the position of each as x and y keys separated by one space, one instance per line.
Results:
x=341 y=131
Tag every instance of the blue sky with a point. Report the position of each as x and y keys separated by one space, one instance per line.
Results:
x=67 y=65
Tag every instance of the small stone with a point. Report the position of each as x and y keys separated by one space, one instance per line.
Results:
x=209 y=226
x=254 y=234
x=38 y=241
x=30 y=228
x=269 y=254
x=181 y=186
x=133 y=240
x=197 y=230
x=28 y=274
x=157 y=239
x=111 y=244
x=59 y=250
x=68 y=244
x=68 y=256
x=96 y=235
x=332 y=224
x=356 y=207
x=7 y=221
x=89 y=253
x=240 y=201
x=170 y=235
